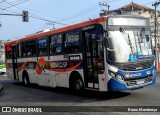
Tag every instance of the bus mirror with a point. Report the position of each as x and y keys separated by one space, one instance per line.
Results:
x=106 y=43
x=142 y=32
x=147 y=38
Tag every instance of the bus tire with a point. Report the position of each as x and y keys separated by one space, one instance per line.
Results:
x=26 y=78
x=76 y=83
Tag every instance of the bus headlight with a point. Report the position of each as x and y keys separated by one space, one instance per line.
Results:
x=114 y=75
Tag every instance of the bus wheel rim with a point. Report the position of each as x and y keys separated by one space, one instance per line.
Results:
x=78 y=84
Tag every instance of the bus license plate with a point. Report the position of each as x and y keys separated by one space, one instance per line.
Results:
x=140 y=82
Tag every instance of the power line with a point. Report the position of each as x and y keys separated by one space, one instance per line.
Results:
x=80 y=12
x=85 y=11
x=57 y=22
x=105 y=12
x=47 y=20
x=12 y=5
x=33 y=15
x=6 y=4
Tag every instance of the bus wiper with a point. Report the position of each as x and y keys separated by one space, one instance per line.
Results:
x=139 y=43
x=128 y=40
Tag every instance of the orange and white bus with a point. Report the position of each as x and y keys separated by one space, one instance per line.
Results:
x=112 y=53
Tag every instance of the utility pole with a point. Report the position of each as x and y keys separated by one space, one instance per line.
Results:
x=156 y=4
x=106 y=10
x=51 y=23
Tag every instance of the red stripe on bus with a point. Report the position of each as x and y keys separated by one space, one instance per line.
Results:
x=22 y=66
x=56 y=70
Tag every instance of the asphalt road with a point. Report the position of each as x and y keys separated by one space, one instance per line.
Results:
x=17 y=94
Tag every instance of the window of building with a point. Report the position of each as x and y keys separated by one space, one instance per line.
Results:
x=56 y=44
x=42 y=47
x=72 y=42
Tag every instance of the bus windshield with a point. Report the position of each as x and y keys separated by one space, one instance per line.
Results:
x=129 y=45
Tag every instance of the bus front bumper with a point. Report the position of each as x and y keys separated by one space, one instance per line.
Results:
x=116 y=85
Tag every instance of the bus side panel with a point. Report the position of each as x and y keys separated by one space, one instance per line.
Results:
x=62 y=79
x=50 y=79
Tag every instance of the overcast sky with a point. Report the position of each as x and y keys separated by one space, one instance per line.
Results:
x=63 y=12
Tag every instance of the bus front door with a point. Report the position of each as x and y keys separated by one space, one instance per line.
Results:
x=14 y=62
x=90 y=59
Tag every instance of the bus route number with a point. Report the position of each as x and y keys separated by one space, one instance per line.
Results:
x=74 y=58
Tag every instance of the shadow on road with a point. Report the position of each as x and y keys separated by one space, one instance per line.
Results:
x=87 y=94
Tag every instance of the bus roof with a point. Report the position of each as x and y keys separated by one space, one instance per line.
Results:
x=38 y=35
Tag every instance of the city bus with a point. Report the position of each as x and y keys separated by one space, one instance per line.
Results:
x=2 y=58
x=110 y=53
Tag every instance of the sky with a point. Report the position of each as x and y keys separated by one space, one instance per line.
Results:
x=62 y=12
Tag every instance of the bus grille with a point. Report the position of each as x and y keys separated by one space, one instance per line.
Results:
x=139 y=81
x=136 y=66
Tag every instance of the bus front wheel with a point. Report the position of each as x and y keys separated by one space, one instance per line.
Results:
x=77 y=84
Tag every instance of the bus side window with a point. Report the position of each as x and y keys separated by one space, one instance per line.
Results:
x=56 y=44
x=23 y=49
x=72 y=42
x=31 y=48
x=42 y=47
